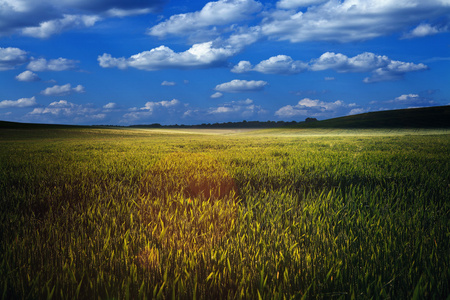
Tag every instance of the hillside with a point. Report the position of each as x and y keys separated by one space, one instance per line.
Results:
x=17 y=125
x=429 y=117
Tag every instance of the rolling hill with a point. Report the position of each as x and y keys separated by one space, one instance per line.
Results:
x=429 y=117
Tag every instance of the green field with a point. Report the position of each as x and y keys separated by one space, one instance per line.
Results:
x=126 y=213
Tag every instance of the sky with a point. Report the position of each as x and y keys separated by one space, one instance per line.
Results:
x=116 y=62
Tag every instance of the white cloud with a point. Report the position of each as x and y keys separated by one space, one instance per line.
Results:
x=216 y=95
x=225 y=112
x=290 y=111
x=238 y=86
x=425 y=29
x=59 y=90
x=67 y=112
x=122 y=13
x=44 y=18
x=243 y=108
x=381 y=67
x=59 y=64
x=198 y=56
x=411 y=100
x=314 y=108
x=222 y=109
x=149 y=109
x=280 y=64
x=329 y=78
x=48 y=28
x=107 y=61
x=242 y=67
x=341 y=63
x=406 y=97
x=11 y=57
x=290 y=4
x=244 y=36
x=217 y=13
x=394 y=71
x=168 y=83
x=306 y=102
x=27 y=76
x=23 y=102
x=79 y=89
x=136 y=115
x=357 y=111
x=349 y=20
x=152 y=105
x=110 y=105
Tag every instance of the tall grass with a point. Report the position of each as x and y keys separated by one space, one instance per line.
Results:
x=92 y=213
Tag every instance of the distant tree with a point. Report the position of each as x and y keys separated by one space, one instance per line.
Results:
x=310 y=120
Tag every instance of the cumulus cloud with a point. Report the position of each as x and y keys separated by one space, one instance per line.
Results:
x=243 y=36
x=27 y=76
x=239 y=86
x=348 y=20
x=122 y=13
x=341 y=63
x=289 y=111
x=216 y=13
x=280 y=64
x=11 y=58
x=394 y=71
x=222 y=109
x=290 y=4
x=242 y=67
x=48 y=28
x=381 y=67
x=149 y=108
x=198 y=56
x=110 y=105
x=47 y=17
x=59 y=90
x=59 y=64
x=243 y=108
x=107 y=61
x=411 y=100
x=168 y=83
x=357 y=111
x=23 y=102
x=314 y=108
x=67 y=112
x=216 y=95
x=425 y=29
x=152 y=105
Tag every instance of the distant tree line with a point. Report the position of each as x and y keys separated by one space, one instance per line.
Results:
x=242 y=124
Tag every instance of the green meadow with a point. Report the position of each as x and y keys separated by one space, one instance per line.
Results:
x=121 y=213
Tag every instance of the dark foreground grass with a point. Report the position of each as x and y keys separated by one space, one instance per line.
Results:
x=97 y=213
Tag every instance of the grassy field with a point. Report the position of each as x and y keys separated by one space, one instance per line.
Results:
x=269 y=214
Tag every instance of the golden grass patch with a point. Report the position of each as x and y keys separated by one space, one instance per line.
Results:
x=188 y=201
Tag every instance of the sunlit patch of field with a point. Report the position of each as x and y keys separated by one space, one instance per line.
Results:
x=272 y=213
x=224 y=131
x=188 y=201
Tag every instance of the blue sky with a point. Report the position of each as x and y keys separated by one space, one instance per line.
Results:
x=190 y=62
